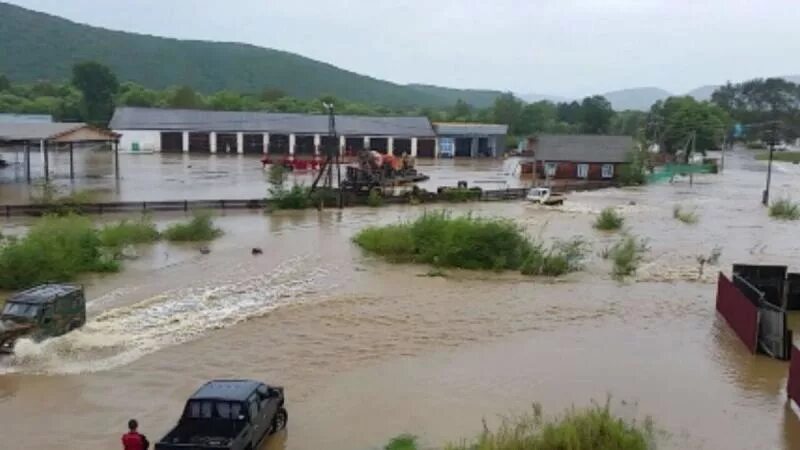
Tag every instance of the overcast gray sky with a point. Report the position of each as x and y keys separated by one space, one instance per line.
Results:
x=560 y=47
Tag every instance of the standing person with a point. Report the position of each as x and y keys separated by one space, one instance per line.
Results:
x=133 y=440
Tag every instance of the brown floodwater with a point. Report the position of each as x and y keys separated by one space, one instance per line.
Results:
x=368 y=350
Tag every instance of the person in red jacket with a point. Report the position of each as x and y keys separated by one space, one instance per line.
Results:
x=133 y=440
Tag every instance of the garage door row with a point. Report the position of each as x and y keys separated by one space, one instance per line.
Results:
x=172 y=142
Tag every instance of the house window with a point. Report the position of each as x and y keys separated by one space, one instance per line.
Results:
x=608 y=171
x=550 y=169
x=583 y=171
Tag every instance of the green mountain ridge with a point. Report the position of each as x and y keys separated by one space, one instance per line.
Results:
x=38 y=46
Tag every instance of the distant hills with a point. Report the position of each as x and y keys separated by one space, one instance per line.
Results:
x=36 y=46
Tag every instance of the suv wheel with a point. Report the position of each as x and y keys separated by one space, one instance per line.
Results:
x=280 y=420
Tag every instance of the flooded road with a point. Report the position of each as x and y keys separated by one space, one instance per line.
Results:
x=369 y=350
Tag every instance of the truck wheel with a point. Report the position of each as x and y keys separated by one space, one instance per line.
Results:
x=280 y=420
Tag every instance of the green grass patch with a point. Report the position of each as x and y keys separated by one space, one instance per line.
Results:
x=756 y=146
x=687 y=217
x=793 y=157
x=594 y=428
x=784 y=209
x=375 y=199
x=296 y=197
x=402 y=442
x=55 y=249
x=469 y=242
x=626 y=255
x=199 y=228
x=61 y=204
x=609 y=220
x=119 y=235
x=460 y=195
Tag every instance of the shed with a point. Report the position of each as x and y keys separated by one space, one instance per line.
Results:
x=470 y=139
x=590 y=157
x=44 y=135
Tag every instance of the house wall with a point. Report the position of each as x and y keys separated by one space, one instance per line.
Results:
x=569 y=170
x=148 y=140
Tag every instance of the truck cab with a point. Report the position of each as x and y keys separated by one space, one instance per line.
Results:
x=228 y=415
x=42 y=312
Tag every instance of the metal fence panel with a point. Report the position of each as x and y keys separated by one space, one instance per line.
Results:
x=739 y=311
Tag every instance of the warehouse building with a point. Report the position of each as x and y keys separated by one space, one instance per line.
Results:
x=299 y=135
x=471 y=140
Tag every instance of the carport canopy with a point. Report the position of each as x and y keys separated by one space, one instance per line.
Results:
x=44 y=134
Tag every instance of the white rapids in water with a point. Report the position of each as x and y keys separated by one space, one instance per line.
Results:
x=122 y=335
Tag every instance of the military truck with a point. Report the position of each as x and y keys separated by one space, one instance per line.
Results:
x=228 y=415
x=42 y=312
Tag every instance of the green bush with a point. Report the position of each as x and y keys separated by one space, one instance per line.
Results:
x=402 y=442
x=199 y=229
x=609 y=220
x=634 y=172
x=594 y=428
x=469 y=242
x=55 y=249
x=375 y=199
x=61 y=204
x=298 y=197
x=687 y=217
x=459 y=195
x=626 y=255
x=127 y=232
x=784 y=209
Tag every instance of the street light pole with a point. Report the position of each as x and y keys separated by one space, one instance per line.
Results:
x=765 y=199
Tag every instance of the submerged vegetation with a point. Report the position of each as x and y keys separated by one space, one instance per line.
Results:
x=626 y=255
x=460 y=195
x=119 y=235
x=199 y=228
x=593 y=428
x=470 y=242
x=687 y=217
x=609 y=220
x=784 y=209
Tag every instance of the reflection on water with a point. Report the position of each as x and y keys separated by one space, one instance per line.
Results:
x=368 y=350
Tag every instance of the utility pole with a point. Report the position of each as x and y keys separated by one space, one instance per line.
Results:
x=331 y=159
x=772 y=136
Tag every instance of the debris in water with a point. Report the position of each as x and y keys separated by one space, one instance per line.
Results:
x=256 y=251
x=205 y=250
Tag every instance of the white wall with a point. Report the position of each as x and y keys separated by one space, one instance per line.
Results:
x=149 y=140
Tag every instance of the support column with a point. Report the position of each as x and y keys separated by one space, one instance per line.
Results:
x=186 y=142
x=292 y=141
x=317 y=144
x=366 y=143
x=71 y=162
x=28 y=161
x=436 y=149
x=414 y=147
x=212 y=137
x=116 y=159
x=46 y=157
x=266 y=143
x=240 y=143
x=390 y=145
x=342 y=145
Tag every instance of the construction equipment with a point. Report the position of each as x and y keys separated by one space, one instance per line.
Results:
x=375 y=170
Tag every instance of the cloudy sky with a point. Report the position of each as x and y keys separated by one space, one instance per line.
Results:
x=558 y=47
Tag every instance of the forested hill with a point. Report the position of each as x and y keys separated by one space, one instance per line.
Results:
x=37 y=46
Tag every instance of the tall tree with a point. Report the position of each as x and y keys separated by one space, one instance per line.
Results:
x=677 y=119
x=462 y=112
x=595 y=115
x=508 y=111
x=762 y=100
x=5 y=83
x=538 y=117
x=98 y=84
x=185 y=97
x=569 y=113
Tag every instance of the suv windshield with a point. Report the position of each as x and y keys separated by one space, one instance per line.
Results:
x=213 y=409
x=20 y=310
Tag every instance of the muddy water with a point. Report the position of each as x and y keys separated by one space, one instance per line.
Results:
x=368 y=350
x=147 y=177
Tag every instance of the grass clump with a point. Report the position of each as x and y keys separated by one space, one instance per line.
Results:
x=784 y=209
x=594 y=428
x=375 y=199
x=792 y=157
x=126 y=233
x=48 y=195
x=402 y=442
x=469 y=242
x=199 y=229
x=609 y=220
x=55 y=249
x=687 y=217
x=459 y=195
x=626 y=255
x=297 y=197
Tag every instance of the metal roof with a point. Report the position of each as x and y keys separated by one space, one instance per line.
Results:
x=35 y=131
x=127 y=118
x=25 y=118
x=238 y=390
x=44 y=293
x=584 y=148
x=469 y=129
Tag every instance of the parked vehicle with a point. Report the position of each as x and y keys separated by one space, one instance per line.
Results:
x=544 y=196
x=42 y=312
x=228 y=415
